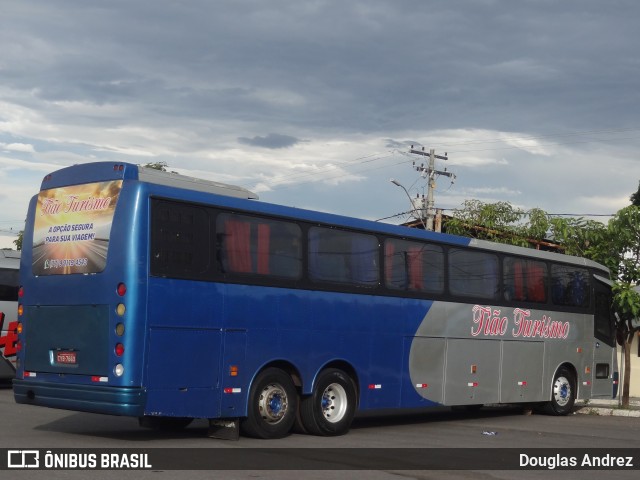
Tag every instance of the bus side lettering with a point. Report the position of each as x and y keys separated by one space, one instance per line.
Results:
x=489 y=322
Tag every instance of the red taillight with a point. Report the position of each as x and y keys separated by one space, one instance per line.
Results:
x=122 y=289
x=21 y=292
x=119 y=349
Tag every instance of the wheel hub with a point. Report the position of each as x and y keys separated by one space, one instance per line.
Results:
x=334 y=403
x=273 y=403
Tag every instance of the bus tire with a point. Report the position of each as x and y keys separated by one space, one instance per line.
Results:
x=272 y=406
x=563 y=393
x=329 y=410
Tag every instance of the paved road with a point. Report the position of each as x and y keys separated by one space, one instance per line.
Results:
x=33 y=427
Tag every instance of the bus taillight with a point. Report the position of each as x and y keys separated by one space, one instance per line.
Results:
x=119 y=349
x=120 y=329
x=21 y=292
x=20 y=310
x=122 y=289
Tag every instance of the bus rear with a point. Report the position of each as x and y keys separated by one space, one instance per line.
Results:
x=79 y=278
x=83 y=301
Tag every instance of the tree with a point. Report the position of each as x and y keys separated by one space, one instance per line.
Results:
x=502 y=223
x=620 y=251
x=18 y=241
x=499 y=222
x=161 y=165
x=635 y=198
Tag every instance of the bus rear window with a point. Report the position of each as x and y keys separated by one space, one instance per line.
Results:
x=72 y=228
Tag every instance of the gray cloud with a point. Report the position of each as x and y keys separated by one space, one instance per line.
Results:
x=272 y=140
x=199 y=83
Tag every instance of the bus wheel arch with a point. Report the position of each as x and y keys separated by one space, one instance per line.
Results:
x=564 y=390
x=271 y=405
x=330 y=408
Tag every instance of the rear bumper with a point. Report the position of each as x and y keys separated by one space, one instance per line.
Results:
x=124 y=401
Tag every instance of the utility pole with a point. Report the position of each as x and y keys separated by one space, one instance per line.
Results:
x=430 y=173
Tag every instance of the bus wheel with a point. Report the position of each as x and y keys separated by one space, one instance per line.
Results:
x=273 y=402
x=329 y=410
x=563 y=393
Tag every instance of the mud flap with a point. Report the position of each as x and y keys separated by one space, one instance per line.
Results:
x=224 y=428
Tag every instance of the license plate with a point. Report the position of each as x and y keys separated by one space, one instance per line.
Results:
x=66 y=358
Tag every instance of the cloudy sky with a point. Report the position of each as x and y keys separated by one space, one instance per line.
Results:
x=315 y=103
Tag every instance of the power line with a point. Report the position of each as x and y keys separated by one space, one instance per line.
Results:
x=575 y=215
x=537 y=137
x=283 y=180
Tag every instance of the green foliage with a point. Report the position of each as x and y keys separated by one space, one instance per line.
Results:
x=18 y=241
x=577 y=236
x=627 y=301
x=498 y=222
x=162 y=166
x=501 y=222
x=624 y=244
x=635 y=198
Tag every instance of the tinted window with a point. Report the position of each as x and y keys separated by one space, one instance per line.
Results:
x=179 y=240
x=473 y=274
x=8 y=284
x=524 y=280
x=414 y=266
x=260 y=246
x=604 y=323
x=569 y=286
x=343 y=257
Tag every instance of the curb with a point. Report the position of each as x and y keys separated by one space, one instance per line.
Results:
x=604 y=411
x=607 y=408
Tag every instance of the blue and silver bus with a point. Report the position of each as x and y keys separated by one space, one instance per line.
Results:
x=168 y=298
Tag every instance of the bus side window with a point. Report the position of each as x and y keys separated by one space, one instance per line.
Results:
x=285 y=257
x=570 y=286
x=179 y=237
x=414 y=266
x=254 y=245
x=343 y=257
x=473 y=274
x=524 y=280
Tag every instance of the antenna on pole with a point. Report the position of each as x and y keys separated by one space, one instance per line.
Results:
x=430 y=173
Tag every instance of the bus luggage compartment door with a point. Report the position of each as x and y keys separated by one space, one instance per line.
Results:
x=472 y=372
x=522 y=365
x=183 y=368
